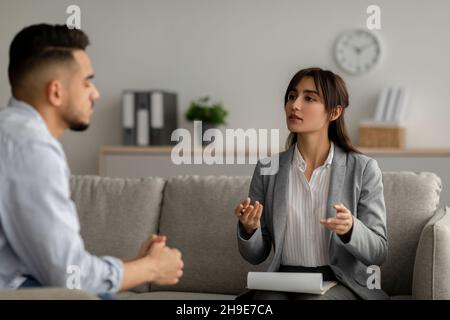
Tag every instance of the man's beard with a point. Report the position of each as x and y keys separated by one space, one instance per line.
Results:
x=73 y=123
x=78 y=126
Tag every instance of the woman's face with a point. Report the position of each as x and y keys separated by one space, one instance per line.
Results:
x=305 y=109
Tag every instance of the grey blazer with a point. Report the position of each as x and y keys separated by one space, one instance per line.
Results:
x=356 y=181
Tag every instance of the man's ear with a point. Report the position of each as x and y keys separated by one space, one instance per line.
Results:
x=336 y=113
x=54 y=93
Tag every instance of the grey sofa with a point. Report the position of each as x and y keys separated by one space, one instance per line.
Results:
x=196 y=214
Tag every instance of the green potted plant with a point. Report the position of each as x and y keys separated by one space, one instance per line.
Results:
x=210 y=114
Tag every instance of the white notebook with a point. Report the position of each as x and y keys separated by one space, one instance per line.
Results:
x=289 y=282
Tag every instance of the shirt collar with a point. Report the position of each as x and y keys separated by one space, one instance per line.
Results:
x=299 y=162
x=30 y=112
x=25 y=107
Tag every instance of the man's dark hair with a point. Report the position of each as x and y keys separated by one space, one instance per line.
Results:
x=40 y=45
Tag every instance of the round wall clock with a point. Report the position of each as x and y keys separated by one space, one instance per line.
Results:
x=357 y=51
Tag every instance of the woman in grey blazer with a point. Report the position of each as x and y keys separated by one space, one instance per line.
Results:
x=323 y=210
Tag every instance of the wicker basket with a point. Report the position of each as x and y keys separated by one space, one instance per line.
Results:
x=382 y=137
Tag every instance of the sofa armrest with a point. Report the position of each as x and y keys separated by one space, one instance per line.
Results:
x=432 y=263
x=46 y=294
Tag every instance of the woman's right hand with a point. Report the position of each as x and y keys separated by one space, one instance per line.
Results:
x=249 y=215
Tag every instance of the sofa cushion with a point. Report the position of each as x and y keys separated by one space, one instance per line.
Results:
x=46 y=294
x=173 y=295
x=431 y=272
x=117 y=215
x=411 y=199
x=197 y=217
x=400 y=298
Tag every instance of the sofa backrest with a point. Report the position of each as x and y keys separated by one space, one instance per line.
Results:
x=197 y=217
x=117 y=215
x=196 y=214
x=411 y=199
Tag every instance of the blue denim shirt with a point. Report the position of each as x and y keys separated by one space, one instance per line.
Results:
x=39 y=226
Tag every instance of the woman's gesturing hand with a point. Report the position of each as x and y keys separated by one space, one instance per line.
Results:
x=343 y=222
x=249 y=215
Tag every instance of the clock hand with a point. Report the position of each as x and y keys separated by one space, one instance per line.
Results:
x=357 y=49
x=365 y=47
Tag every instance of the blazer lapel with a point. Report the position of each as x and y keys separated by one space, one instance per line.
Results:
x=281 y=197
x=337 y=179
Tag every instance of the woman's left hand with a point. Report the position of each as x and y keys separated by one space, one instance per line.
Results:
x=343 y=222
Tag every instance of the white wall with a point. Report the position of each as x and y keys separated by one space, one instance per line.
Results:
x=244 y=53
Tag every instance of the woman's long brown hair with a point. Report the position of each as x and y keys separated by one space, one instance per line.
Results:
x=334 y=93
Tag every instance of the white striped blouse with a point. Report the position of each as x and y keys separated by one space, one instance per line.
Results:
x=306 y=240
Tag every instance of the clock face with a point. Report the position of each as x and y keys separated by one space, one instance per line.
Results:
x=357 y=51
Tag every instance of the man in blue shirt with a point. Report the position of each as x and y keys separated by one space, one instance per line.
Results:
x=51 y=80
